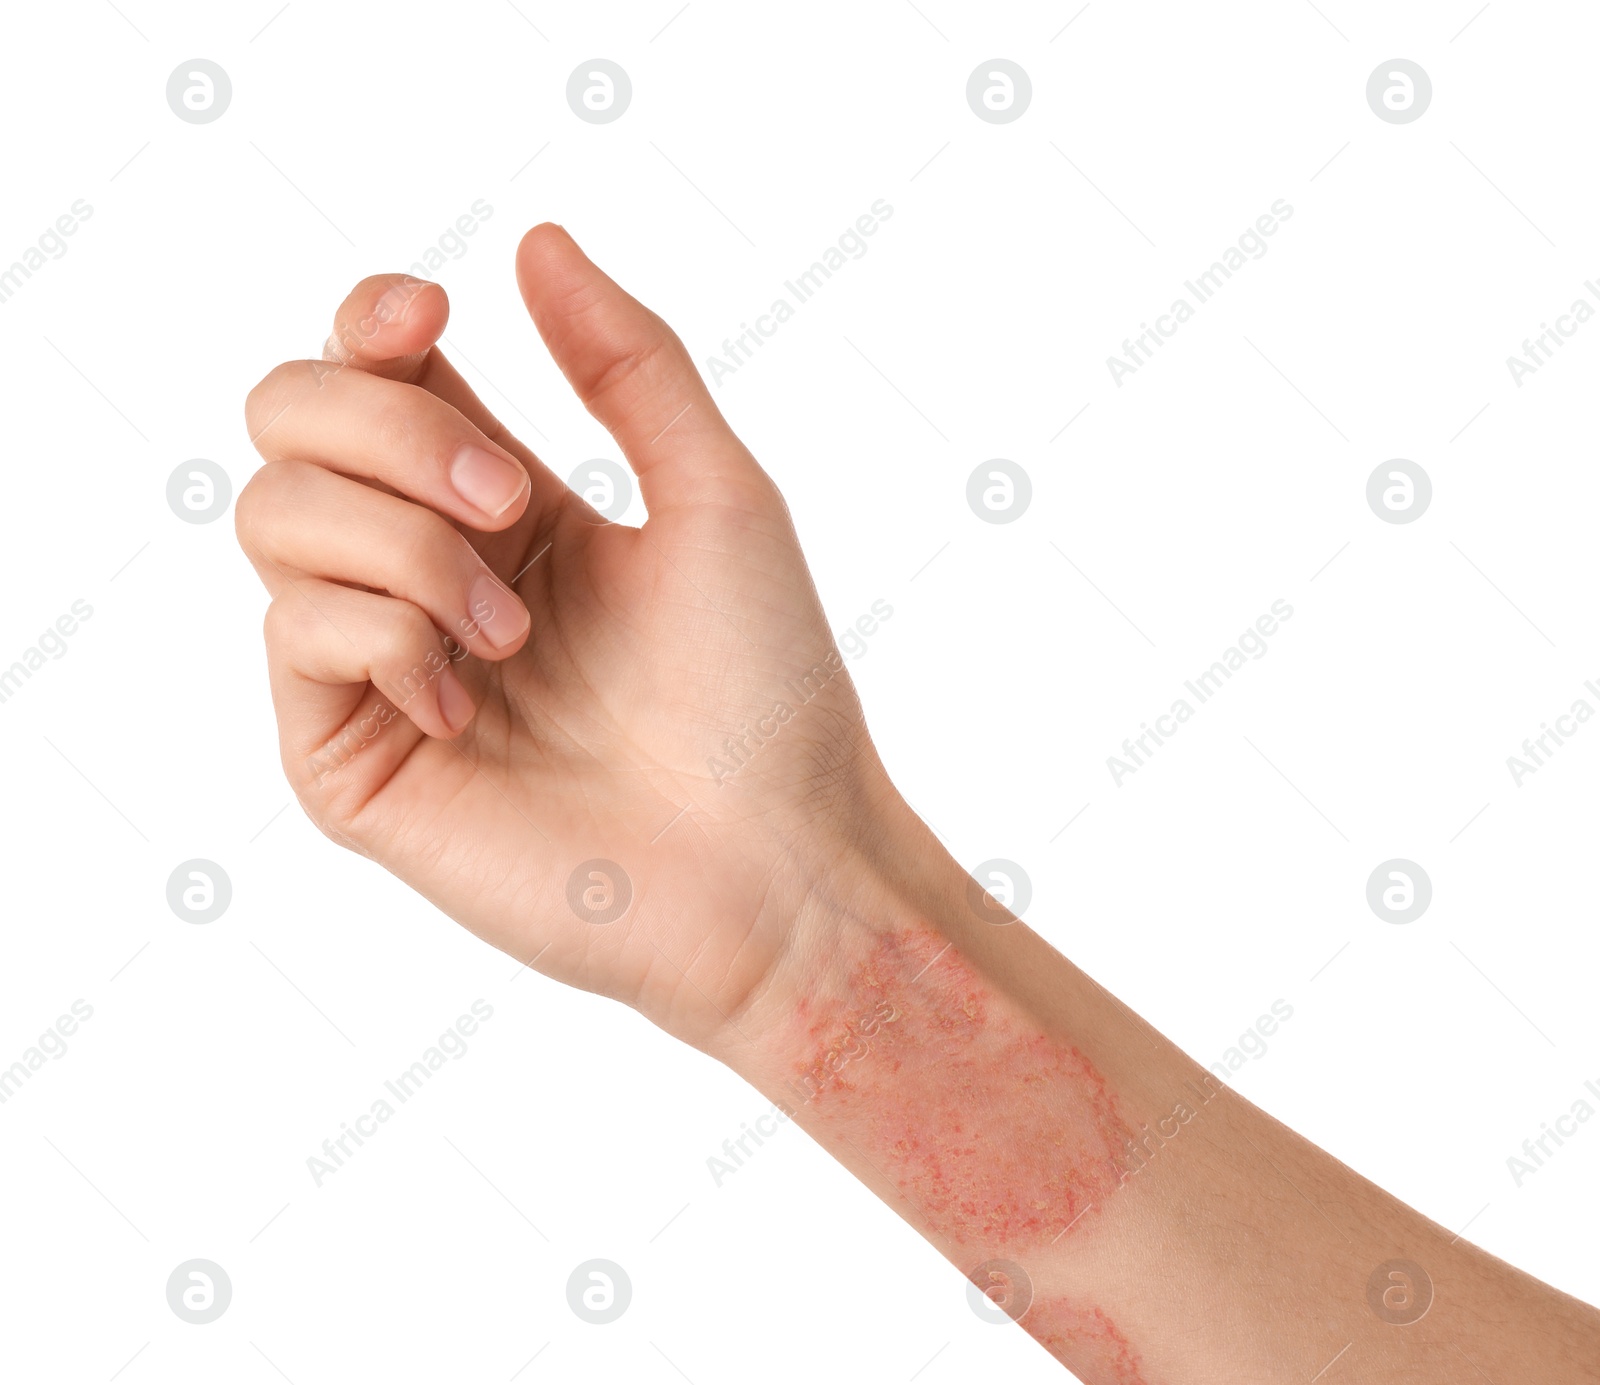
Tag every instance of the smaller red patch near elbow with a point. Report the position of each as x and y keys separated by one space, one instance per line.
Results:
x=1085 y=1341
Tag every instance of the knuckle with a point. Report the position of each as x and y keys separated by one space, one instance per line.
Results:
x=290 y=622
x=330 y=803
x=398 y=425
x=403 y=639
x=636 y=367
x=266 y=495
x=247 y=511
x=434 y=551
x=409 y=659
x=277 y=626
x=275 y=393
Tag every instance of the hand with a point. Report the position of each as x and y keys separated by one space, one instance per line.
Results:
x=483 y=685
x=487 y=688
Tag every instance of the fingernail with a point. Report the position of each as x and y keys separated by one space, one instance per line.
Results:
x=455 y=702
x=496 y=612
x=486 y=481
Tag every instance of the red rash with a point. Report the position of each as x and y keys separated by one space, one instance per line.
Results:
x=1085 y=1341
x=999 y=1136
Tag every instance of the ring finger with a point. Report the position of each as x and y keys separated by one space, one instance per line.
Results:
x=295 y=517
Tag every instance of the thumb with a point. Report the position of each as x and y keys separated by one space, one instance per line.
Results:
x=635 y=376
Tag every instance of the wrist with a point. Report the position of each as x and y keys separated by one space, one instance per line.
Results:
x=977 y=1080
x=868 y=890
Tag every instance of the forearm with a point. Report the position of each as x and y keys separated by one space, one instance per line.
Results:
x=557 y=792
x=1153 y=1225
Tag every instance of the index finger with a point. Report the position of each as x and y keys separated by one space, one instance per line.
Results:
x=389 y=325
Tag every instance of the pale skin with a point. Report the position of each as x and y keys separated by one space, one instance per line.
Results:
x=484 y=686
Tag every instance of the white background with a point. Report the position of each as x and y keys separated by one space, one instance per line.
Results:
x=1228 y=873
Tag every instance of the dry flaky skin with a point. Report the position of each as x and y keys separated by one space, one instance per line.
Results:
x=997 y=1098
x=996 y=1134
x=999 y=1137
x=1085 y=1341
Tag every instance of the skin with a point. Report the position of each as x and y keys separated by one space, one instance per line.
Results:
x=632 y=759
